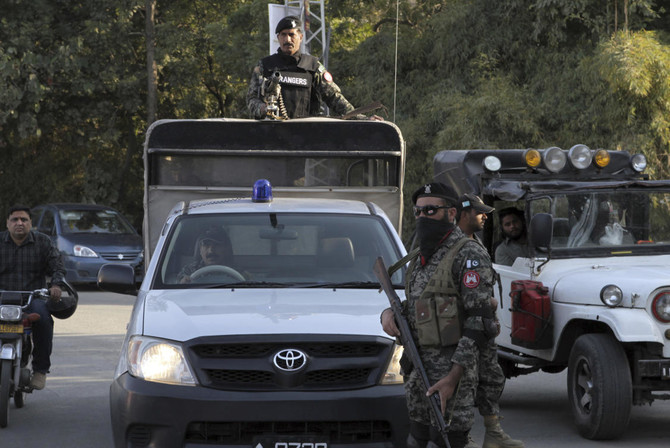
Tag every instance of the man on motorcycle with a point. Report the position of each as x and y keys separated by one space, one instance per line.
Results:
x=27 y=257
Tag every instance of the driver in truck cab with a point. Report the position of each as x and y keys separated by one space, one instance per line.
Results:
x=213 y=247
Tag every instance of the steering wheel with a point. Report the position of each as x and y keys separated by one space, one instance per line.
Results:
x=217 y=269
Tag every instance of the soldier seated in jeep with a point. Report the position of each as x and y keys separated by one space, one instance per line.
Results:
x=513 y=229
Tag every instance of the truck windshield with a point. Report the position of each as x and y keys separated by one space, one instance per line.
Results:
x=281 y=250
x=609 y=220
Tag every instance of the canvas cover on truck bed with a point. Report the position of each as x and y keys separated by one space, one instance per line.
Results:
x=312 y=157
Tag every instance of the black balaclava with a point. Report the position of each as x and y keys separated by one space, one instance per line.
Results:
x=430 y=232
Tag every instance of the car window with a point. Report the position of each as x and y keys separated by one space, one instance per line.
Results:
x=93 y=221
x=47 y=224
x=284 y=249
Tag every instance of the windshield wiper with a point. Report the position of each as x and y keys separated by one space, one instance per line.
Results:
x=249 y=285
x=366 y=284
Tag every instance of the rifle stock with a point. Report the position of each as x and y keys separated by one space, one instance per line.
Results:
x=409 y=345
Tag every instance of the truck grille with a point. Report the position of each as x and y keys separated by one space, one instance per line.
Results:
x=331 y=362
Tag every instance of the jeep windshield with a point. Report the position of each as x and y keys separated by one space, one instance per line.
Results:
x=275 y=250
x=602 y=222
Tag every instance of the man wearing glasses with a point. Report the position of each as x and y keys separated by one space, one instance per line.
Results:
x=448 y=289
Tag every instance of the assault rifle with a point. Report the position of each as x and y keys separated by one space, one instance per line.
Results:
x=409 y=345
x=271 y=94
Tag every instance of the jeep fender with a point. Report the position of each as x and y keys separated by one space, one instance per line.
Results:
x=625 y=324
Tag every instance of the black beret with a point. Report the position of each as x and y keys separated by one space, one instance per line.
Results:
x=436 y=189
x=288 y=23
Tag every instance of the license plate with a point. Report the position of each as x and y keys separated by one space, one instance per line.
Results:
x=11 y=328
x=290 y=442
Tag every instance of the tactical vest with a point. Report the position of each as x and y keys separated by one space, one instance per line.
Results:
x=438 y=313
x=296 y=81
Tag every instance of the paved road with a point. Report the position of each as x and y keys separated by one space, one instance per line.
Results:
x=73 y=410
x=536 y=410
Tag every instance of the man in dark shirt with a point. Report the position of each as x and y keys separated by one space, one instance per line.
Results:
x=304 y=82
x=27 y=257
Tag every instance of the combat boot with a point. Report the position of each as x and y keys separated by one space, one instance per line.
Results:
x=495 y=437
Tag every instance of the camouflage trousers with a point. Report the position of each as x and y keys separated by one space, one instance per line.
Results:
x=491 y=381
x=460 y=408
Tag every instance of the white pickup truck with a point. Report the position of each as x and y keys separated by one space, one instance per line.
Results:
x=278 y=343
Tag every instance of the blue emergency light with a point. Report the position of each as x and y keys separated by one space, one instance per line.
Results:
x=262 y=191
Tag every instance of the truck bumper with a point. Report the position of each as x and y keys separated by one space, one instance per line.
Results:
x=655 y=368
x=158 y=415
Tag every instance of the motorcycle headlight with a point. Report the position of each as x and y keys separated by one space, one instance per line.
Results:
x=159 y=361
x=392 y=374
x=10 y=313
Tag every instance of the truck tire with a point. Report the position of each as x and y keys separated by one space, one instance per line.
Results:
x=599 y=387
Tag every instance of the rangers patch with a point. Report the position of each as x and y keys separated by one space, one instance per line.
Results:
x=328 y=77
x=471 y=279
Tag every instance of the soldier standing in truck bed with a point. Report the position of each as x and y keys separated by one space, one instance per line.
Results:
x=304 y=81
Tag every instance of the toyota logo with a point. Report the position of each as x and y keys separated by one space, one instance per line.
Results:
x=290 y=360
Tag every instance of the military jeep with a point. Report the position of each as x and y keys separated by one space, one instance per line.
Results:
x=592 y=291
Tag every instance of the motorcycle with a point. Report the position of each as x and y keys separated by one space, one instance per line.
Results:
x=16 y=343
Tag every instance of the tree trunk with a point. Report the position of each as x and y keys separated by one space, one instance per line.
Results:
x=151 y=62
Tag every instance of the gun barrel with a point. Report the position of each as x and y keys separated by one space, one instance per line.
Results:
x=409 y=345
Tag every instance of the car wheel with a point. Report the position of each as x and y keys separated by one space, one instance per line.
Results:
x=599 y=386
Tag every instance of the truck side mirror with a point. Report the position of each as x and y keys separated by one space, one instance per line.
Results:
x=541 y=231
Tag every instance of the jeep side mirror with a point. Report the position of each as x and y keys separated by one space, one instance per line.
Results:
x=541 y=231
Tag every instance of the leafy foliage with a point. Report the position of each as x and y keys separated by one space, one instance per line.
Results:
x=451 y=73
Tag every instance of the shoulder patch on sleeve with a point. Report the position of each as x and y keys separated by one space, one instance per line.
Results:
x=471 y=279
x=327 y=77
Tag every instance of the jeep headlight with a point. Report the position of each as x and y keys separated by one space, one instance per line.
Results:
x=392 y=374
x=158 y=360
x=611 y=295
x=660 y=306
x=580 y=156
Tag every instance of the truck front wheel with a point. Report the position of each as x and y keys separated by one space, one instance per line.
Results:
x=599 y=386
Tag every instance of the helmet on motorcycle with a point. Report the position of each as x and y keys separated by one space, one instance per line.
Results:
x=64 y=308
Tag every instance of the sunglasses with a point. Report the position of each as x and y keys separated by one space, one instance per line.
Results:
x=428 y=210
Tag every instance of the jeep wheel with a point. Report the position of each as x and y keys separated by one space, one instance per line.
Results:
x=599 y=387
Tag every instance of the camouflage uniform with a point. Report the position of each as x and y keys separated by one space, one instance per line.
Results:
x=473 y=276
x=300 y=100
x=491 y=377
x=491 y=380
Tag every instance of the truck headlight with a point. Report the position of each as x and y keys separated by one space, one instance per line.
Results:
x=392 y=374
x=660 y=306
x=611 y=295
x=158 y=360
